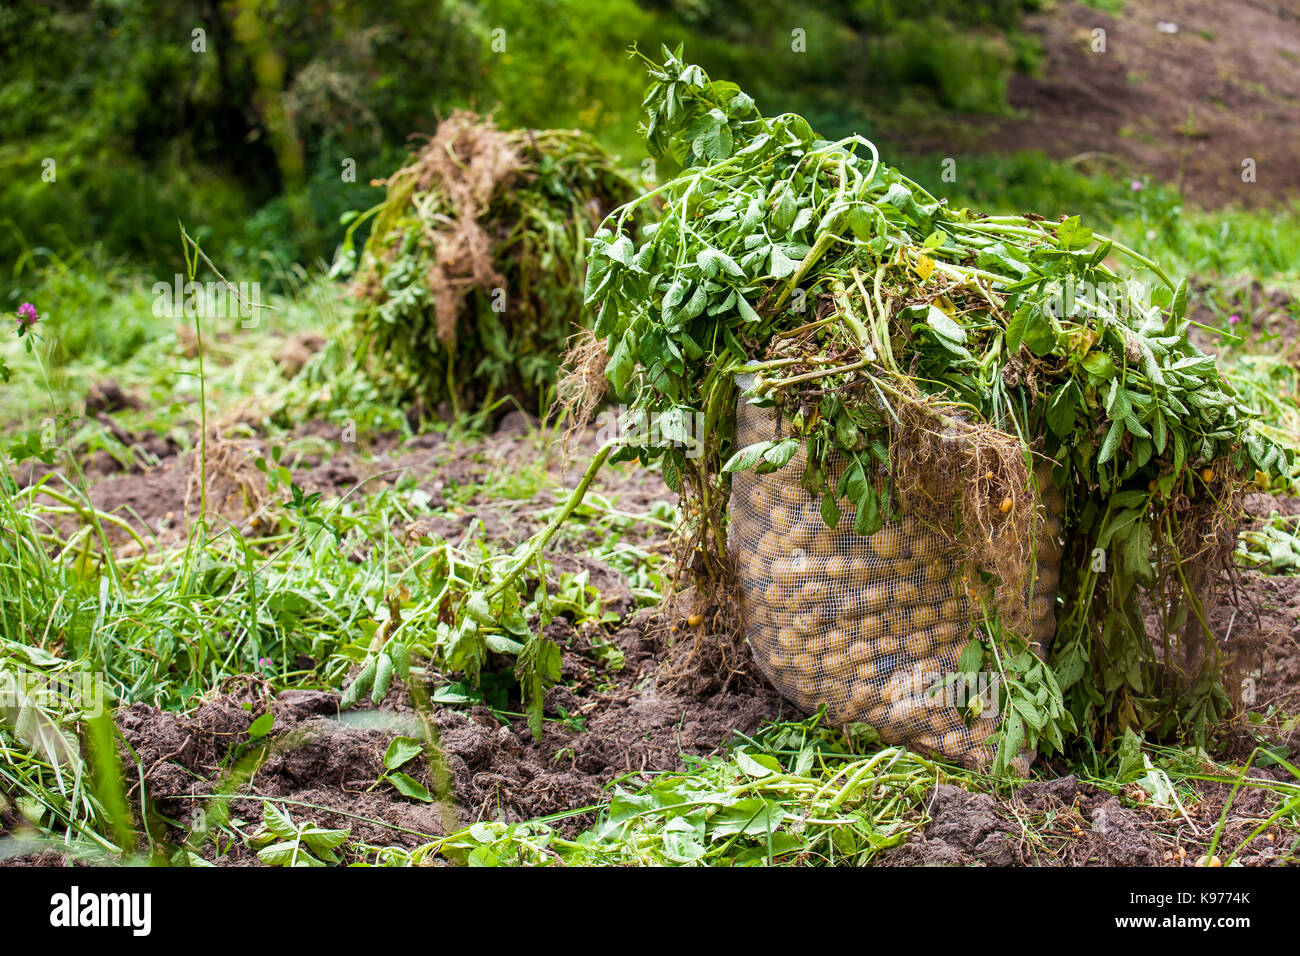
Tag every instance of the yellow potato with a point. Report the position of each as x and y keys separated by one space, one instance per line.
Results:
x=836 y=569
x=923 y=616
x=887 y=643
x=938 y=570
x=804 y=663
x=947 y=633
x=763 y=498
x=776 y=596
x=953 y=609
x=814 y=592
x=908 y=714
x=788 y=571
x=868 y=670
x=871 y=626
x=956 y=743
x=835 y=665
x=836 y=640
x=904 y=567
x=806 y=622
x=807 y=691
x=875 y=596
x=1048 y=578
x=782 y=520
x=905 y=592
x=919 y=643
x=821 y=543
x=770 y=545
x=790 y=640
x=888 y=542
x=801 y=534
x=778 y=661
x=791 y=493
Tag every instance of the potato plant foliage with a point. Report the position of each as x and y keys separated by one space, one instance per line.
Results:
x=871 y=312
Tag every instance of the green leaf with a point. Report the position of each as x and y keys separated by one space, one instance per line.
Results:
x=758 y=765
x=1061 y=410
x=401 y=751
x=943 y=325
x=746 y=310
x=1111 y=443
x=262 y=726
x=408 y=786
x=1071 y=236
x=1099 y=364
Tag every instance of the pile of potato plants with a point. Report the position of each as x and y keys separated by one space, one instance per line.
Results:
x=470 y=282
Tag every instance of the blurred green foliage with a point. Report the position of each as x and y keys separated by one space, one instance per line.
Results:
x=243 y=118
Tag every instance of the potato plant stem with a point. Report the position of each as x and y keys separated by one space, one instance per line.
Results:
x=539 y=541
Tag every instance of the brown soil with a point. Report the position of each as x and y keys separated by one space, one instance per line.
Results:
x=153 y=500
x=629 y=725
x=1184 y=107
x=1269 y=319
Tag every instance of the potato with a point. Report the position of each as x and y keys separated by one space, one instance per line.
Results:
x=904 y=567
x=806 y=622
x=782 y=519
x=908 y=713
x=953 y=609
x=837 y=568
x=904 y=592
x=836 y=640
x=919 y=643
x=790 y=491
x=875 y=596
x=887 y=543
x=938 y=570
x=777 y=597
x=807 y=691
x=868 y=670
x=821 y=543
x=788 y=571
x=790 y=640
x=923 y=616
x=872 y=624
x=814 y=592
x=778 y=661
x=771 y=545
x=800 y=536
x=956 y=743
x=947 y=634
x=1042 y=607
x=804 y=663
x=762 y=497
x=859 y=652
x=835 y=665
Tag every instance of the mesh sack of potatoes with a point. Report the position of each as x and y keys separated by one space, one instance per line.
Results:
x=871 y=626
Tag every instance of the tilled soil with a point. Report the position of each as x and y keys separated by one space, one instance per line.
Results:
x=1182 y=90
x=325 y=767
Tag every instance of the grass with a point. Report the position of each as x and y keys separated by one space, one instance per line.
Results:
x=299 y=600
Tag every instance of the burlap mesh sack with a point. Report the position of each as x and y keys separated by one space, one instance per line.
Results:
x=870 y=626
